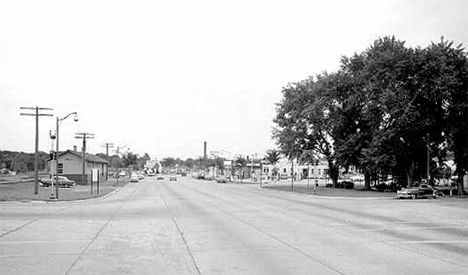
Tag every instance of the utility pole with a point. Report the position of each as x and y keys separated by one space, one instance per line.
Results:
x=428 y=158
x=84 y=136
x=108 y=145
x=120 y=147
x=36 y=154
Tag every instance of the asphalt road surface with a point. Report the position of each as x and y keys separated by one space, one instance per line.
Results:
x=198 y=227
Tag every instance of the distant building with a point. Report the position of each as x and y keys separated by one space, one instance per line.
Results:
x=70 y=165
x=153 y=166
x=301 y=171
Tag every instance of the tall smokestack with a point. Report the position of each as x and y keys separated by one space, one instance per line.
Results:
x=204 y=150
x=74 y=148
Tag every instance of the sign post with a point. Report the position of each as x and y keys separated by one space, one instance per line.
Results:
x=95 y=179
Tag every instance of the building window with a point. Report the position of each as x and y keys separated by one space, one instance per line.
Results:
x=60 y=168
x=284 y=170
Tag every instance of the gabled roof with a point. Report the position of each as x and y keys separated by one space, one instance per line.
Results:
x=88 y=157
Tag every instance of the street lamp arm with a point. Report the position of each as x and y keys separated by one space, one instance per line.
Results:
x=74 y=113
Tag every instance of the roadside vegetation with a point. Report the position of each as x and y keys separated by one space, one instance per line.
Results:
x=381 y=112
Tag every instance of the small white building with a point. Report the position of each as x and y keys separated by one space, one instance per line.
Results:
x=301 y=171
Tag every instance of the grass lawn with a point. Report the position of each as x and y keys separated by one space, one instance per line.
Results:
x=24 y=191
x=302 y=187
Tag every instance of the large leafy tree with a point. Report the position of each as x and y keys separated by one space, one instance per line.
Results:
x=450 y=84
x=130 y=159
x=382 y=111
x=168 y=162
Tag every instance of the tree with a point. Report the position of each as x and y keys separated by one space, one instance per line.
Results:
x=240 y=162
x=130 y=159
x=168 y=162
x=272 y=157
x=382 y=111
x=451 y=66
x=116 y=161
x=190 y=163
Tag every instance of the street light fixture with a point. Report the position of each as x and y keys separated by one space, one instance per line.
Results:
x=56 y=197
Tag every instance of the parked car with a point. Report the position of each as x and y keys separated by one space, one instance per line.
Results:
x=134 y=178
x=159 y=177
x=5 y=171
x=419 y=191
x=201 y=175
x=62 y=181
x=122 y=174
x=140 y=175
x=221 y=179
x=173 y=177
x=347 y=184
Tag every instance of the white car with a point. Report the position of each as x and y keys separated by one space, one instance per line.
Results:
x=134 y=178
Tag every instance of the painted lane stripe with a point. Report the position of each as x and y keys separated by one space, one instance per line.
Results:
x=41 y=242
x=430 y=242
x=16 y=255
x=410 y=228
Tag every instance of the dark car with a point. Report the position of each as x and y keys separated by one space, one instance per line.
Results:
x=62 y=181
x=348 y=184
x=419 y=191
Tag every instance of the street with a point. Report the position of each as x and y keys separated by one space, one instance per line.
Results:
x=201 y=227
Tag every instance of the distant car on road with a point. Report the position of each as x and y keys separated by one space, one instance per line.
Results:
x=160 y=177
x=221 y=179
x=62 y=181
x=173 y=178
x=122 y=174
x=140 y=176
x=134 y=178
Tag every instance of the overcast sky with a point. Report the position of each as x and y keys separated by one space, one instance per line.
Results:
x=162 y=77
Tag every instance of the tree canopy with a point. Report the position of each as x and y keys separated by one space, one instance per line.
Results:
x=381 y=110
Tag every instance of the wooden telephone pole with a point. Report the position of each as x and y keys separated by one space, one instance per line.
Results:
x=84 y=136
x=36 y=156
x=108 y=145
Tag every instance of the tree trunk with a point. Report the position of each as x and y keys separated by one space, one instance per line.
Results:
x=292 y=175
x=333 y=172
x=410 y=174
x=460 y=184
x=367 y=181
x=276 y=173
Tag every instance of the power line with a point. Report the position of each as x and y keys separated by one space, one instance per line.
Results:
x=36 y=154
